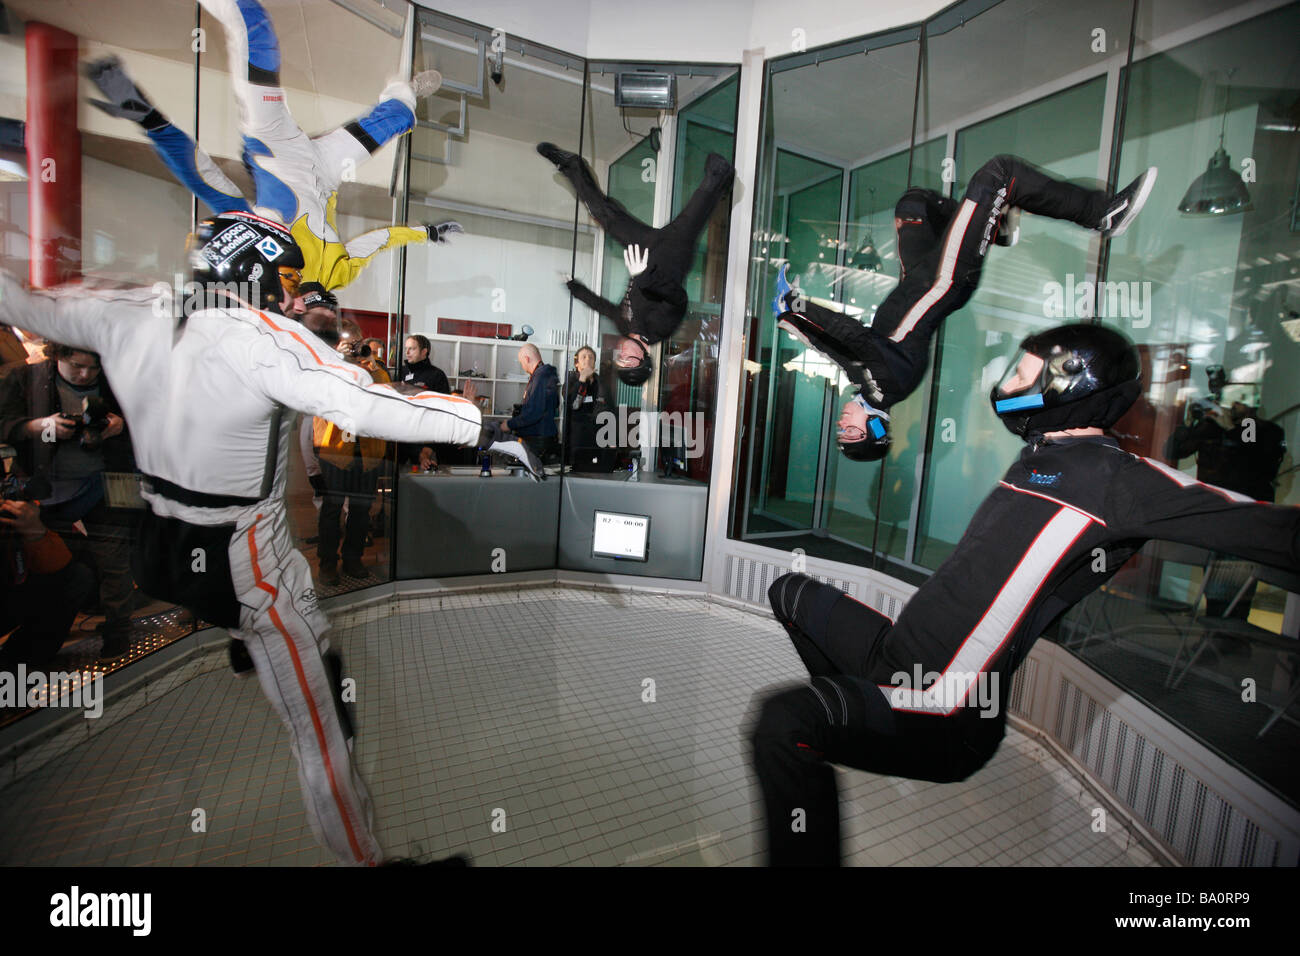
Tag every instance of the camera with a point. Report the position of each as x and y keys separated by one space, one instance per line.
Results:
x=355 y=350
x=14 y=487
x=93 y=421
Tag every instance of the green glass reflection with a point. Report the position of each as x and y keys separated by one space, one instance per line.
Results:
x=971 y=449
x=804 y=233
x=855 y=496
x=689 y=359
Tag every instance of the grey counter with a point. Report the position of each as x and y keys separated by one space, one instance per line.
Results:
x=451 y=525
x=454 y=525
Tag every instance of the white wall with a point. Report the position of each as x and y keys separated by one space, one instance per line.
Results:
x=170 y=86
x=133 y=226
x=13 y=77
x=501 y=173
x=684 y=30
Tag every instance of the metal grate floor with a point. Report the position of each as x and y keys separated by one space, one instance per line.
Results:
x=531 y=710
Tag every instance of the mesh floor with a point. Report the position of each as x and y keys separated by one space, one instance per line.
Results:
x=537 y=727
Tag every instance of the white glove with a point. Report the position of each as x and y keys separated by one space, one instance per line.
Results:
x=636 y=259
x=521 y=453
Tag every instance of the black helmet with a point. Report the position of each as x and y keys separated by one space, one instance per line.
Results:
x=635 y=375
x=245 y=254
x=875 y=445
x=1089 y=378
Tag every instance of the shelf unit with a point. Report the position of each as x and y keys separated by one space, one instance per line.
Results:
x=498 y=360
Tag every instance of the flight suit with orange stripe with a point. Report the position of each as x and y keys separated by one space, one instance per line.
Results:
x=207 y=401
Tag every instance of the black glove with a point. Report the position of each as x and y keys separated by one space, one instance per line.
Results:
x=125 y=100
x=439 y=231
x=317 y=484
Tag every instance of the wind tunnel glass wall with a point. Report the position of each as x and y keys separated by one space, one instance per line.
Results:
x=830 y=173
x=1179 y=626
x=478 y=297
x=1047 y=83
x=121 y=219
x=640 y=454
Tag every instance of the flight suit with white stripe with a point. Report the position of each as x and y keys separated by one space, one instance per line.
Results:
x=1062 y=522
x=941 y=261
x=209 y=407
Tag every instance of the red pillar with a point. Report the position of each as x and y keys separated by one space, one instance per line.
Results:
x=53 y=155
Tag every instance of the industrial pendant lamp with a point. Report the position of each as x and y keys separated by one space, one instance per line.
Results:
x=1219 y=190
x=868 y=257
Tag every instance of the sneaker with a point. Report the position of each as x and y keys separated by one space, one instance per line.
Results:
x=1126 y=204
x=426 y=83
x=353 y=568
x=717 y=168
x=329 y=574
x=783 y=288
x=240 y=662
x=560 y=157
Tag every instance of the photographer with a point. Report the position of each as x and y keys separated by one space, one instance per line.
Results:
x=40 y=585
x=350 y=469
x=67 y=427
x=1237 y=449
x=582 y=393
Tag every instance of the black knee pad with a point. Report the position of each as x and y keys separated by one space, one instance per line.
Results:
x=776 y=715
x=989 y=178
x=803 y=601
x=776 y=593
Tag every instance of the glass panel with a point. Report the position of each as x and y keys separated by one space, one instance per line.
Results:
x=478 y=297
x=364 y=277
x=1212 y=301
x=1045 y=104
x=642 y=448
x=830 y=174
x=688 y=385
x=123 y=217
x=857 y=495
x=114 y=216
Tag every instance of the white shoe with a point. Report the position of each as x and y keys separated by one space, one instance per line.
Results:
x=426 y=83
x=1126 y=204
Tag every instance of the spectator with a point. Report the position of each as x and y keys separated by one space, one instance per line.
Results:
x=378 y=352
x=582 y=393
x=422 y=373
x=67 y=426
x=419 y=370
x=39 y=594
x=1237 y=449
x=534 y=424
x=350 y=467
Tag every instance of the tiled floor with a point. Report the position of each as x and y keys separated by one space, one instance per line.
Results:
x=539 y=727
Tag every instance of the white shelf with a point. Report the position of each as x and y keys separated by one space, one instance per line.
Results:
x=499 y=357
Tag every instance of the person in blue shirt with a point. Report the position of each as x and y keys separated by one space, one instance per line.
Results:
x=535 y=422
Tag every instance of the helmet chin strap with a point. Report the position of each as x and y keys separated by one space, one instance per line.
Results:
x=870 y=409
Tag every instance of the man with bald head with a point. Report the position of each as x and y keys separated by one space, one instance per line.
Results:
x=534 y=423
